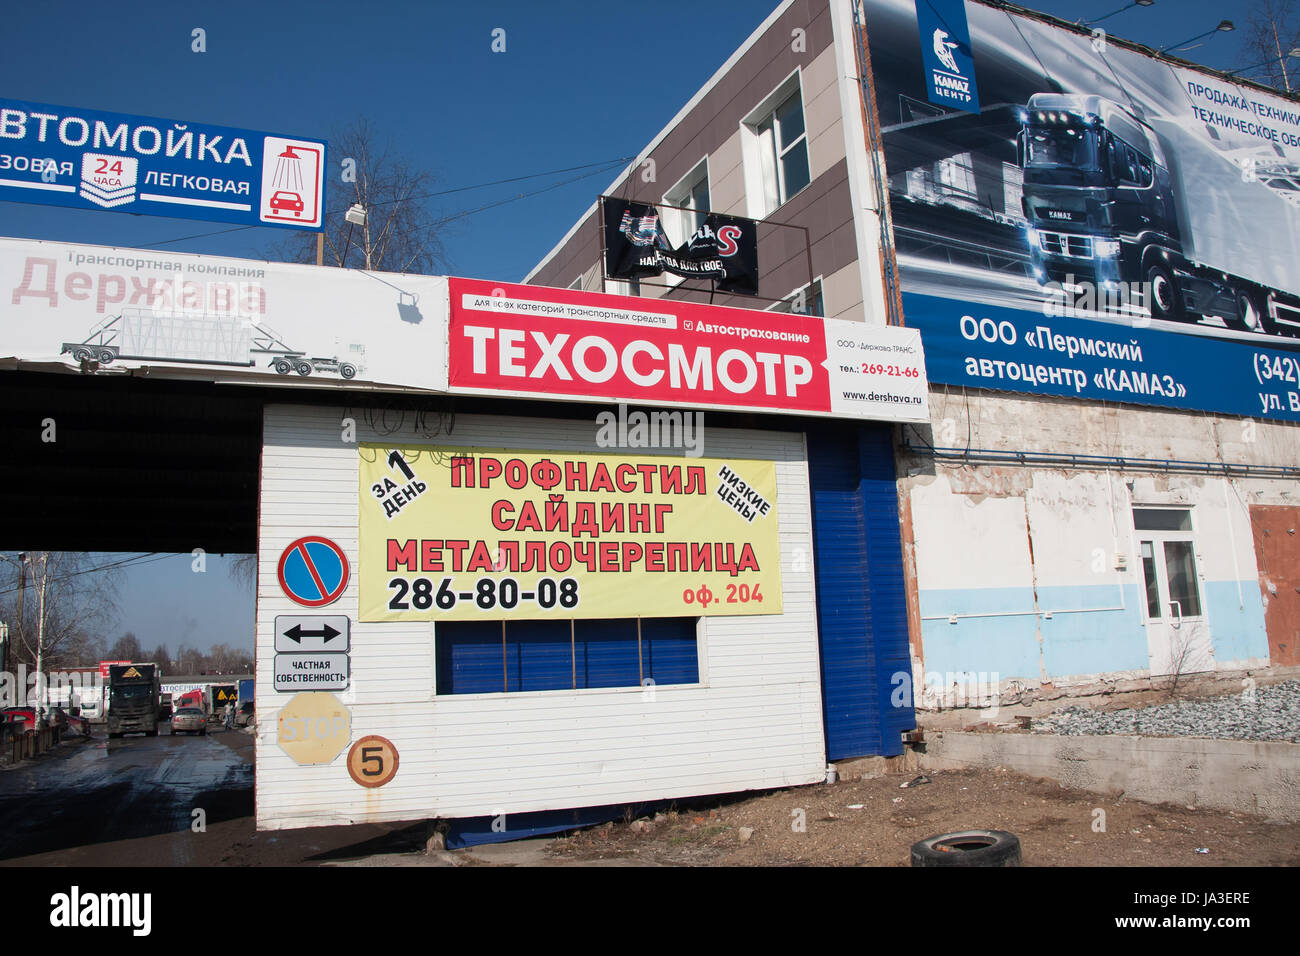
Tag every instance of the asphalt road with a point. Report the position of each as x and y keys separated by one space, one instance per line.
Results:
x=132 y=802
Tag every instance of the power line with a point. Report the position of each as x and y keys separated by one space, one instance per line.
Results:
x=604 y=166
x=201 y=235
x=535 y=192
x=514 y=179
x=144 y=558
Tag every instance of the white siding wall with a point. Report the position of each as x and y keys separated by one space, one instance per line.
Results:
x=753 y=722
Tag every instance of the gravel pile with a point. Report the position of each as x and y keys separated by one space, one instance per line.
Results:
x=1269 y=713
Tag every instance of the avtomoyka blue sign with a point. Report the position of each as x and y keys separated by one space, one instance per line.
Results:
x=989 y=346
x=63 y=156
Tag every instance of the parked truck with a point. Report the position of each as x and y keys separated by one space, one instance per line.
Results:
x=134 y=692
x=1120 y=202
x=223 y=694
x=195 y=697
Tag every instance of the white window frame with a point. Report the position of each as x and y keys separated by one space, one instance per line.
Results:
x=680 y=195
x=622 y=286
x=760 y=152
x=1157 y=539
x=678 y=222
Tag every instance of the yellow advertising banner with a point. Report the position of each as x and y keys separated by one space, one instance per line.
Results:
x=478 y=534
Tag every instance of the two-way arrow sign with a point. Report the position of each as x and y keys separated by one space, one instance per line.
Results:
x=306 y=633
x=297 y=633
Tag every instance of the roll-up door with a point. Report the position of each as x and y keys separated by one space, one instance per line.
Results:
x=861 y=602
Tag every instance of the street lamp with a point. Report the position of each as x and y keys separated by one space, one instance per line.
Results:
x=1135 y=3
x=355 y=216
x=1225 y=26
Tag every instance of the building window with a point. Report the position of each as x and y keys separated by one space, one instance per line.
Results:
x=1168 y=563
x=492 y=657
x=775 y=149
x=956 y=175
x=692 y=194
x=623 y=286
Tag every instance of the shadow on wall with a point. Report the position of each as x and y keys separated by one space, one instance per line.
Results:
x=408 y=308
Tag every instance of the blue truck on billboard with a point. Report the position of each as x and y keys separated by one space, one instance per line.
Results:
x=1101 y=194
x=87 y=159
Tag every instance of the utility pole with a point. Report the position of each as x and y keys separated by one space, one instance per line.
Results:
x=41 y=687
x=1277 y=44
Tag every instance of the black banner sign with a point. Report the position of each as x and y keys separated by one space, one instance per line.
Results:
x=723 y=248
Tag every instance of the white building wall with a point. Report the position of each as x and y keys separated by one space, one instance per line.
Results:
x=1017 y=568
x=754 y=720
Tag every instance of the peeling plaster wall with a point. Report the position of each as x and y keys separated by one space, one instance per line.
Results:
x=1032 y=574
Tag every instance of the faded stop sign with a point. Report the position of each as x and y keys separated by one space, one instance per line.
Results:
x=314 y=727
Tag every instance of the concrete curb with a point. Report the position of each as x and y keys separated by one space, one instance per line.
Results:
x=1245 y=776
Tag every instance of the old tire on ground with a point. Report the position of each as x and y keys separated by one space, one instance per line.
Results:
x=968 y=848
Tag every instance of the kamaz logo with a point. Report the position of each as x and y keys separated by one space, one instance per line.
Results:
x=1058 y=214
x=943 y=50
x=132 y=672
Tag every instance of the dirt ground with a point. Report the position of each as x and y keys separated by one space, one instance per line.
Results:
x=875 y=822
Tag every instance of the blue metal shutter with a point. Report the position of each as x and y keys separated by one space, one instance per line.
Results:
x=669 y=650
x=861 y=602
x=469 y=657
x=538 y=655
x=605 y=652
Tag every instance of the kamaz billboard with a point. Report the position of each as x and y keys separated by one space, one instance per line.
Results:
x=1103 y=224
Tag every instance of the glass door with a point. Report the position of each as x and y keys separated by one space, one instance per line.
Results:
x=1178 y=636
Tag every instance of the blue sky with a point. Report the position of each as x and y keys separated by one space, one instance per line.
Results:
x=578 y=83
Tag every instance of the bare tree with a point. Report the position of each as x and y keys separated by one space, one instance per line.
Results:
x=54 y=602
x=126 y=648
x=399 y=233
x=1272 y=32
x=243 y=569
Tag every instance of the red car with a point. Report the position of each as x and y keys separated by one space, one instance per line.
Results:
x=57 y=717
x=27 y=715
x=289 y=202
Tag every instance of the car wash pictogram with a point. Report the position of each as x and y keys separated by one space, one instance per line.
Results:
x=291 y=182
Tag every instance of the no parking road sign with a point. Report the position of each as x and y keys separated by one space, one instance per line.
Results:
x=313 y=571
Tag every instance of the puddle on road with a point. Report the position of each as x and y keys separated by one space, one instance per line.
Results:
x=154 y=762
x=120 y=790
